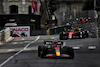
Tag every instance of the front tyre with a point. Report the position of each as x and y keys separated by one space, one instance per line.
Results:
x=70 y=52
x=42 y=50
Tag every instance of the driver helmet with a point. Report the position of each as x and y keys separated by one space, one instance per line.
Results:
x=55 y=41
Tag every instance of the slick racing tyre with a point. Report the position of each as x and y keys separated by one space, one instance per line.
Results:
x=42 y=50
x=87 y=34
x=69 y=51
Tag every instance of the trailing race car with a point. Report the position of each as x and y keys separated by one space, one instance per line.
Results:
x=74 y=34
x=13 y=34
x=55 y=49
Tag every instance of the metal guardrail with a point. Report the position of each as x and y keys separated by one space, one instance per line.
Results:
x=4 y=35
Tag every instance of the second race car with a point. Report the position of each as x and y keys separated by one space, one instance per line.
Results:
x=74 y=34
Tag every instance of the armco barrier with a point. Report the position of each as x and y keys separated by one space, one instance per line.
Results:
x=4 y=35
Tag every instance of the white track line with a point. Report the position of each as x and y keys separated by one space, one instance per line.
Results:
x=76 y=48
x=52 y=37
x=11 y=50
x=18 y=52
x=22 y=39
x=91 y=47
x=15 y=42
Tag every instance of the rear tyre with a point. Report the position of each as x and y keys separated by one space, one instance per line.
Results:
x=87 y=34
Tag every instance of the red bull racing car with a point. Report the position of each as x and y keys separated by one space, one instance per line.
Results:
x=55 y=49
x=74 y=34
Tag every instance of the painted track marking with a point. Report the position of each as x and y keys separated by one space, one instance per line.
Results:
x=22 y=39
x=52 y=37
x=76 y=48
x=11 y=50
x=91 y=47
x=18 y=52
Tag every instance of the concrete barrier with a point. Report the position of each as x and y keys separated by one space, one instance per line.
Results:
x=5 y=36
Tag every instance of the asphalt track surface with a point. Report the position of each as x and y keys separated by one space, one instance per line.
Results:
x=28 y=57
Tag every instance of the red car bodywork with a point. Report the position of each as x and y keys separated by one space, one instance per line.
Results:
x=70 y=33
x=15 y=34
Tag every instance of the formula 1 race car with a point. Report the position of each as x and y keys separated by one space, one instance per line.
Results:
x=13 y=34
x=74 y=34
x=56 y=50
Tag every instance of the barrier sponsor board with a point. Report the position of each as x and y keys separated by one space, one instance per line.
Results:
x=22 y=30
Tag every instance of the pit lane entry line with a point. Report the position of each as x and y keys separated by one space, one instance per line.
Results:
x=19 y=52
